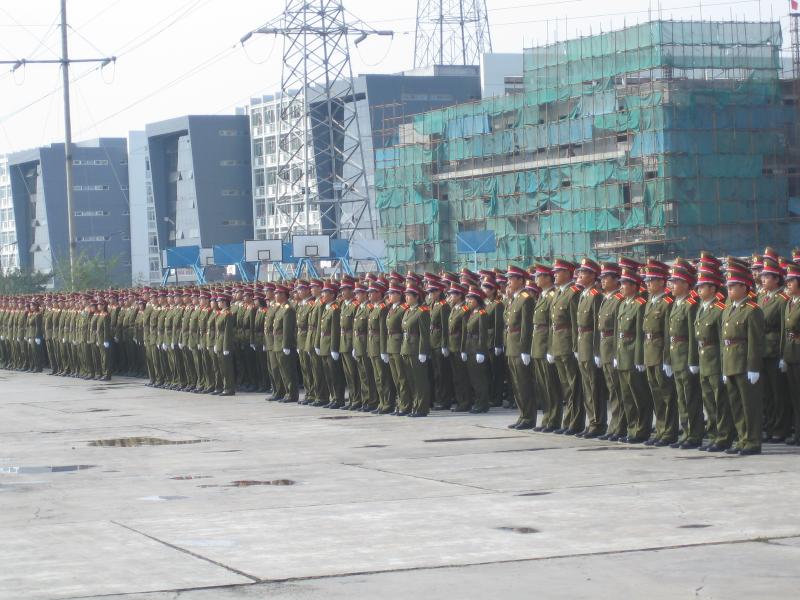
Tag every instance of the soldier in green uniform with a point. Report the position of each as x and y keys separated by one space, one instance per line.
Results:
x=562 y=346
x=588 y=349
x=719 y=427
x=329 y=339
x=377 y=349
x=656 y=354
x=518 y=316
x=629 y=359
x=224 y=343
x=103 y=340
x=544 y=372
x=415 y=350
x=347 y=315
x=495 y=308
x=475 y=348
x=394 y=344
x=683 y=357
x=321 y=393
x=260 y=343
x=304 y=305
x=456 y=321
x=368 y=399
x=742 y=359
x=35 y=333
x=284 y=331
x=772 y=300
x=606 y=329
x=790 y=346
x=440 y=353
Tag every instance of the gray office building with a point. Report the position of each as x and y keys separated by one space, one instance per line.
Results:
x=100 y=205
x=199 y=171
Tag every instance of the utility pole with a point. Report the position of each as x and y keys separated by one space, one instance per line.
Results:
x=317 y=122
x=65 y=61
x=451 y=32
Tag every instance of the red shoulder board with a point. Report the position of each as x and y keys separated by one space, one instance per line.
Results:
x=752 y=294
x=382 y=305
x=619 y=296
x=720 y=305
x=465 y=308
x=783 y=295
x=404 y=306
x=720 y=296
x=356 y=303
x=424 y=308
x=576 y=289
x=669 y=299
x=691 y=300
x=594 y=291
x=442 y=302
x=752 y=305
x=641 y=300
x=334 y=305
x=482 y=312
x=370 y=305
x=694 y=294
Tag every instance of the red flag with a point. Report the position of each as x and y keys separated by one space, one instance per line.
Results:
x=794 y=4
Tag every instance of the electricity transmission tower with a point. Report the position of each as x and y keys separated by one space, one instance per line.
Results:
x=319 y=153
x=451 y=32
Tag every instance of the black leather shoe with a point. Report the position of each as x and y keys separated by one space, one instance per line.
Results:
x=538 y=429
x=386 y=411
x=227 y=393
x=676 y=445
x=732 y=451
x=637 y=440
x=549 y=429
x=591 y=434
x=582 y=433
x=571 y=432
x=651 y=442
x=715 y=448
x=524 y=425
x=663 y=443
x=604 y=437
x=560 y=431
x=514 y=425
x=376 y=411
x=749 y=451
x=402 y=414
x=687 y=445
x=615 y=438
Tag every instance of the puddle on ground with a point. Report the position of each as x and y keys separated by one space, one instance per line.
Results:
x=694 y=526
x=535 y=494
x=733 y=470
x=526 y=450
x=519 y=529
x=336 y=418
x=373 y=446
x=187 y=477
x=132 y=442
x=39 y=470
x=91 y=410
x=251 y=482
x=695 y=457
x=163 y=498
x=471 y=439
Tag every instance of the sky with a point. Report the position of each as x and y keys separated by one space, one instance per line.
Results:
x=178 y=57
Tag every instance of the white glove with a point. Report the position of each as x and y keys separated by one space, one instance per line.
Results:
x=173 y=346
x=576 y=355
x=163 y=346
x=782 y=365
x=615 y=363
x=479 y=358
x=354 y=353
x=753 y=377
x=38 y=341
x=423 y=358
x=445 y=352
x=180 y=345
x=263 y=348
x=29 y=340
x=694 y=370
x=385 y=358
x=198 y=347
x=550 y=358
x=724 y=379
x=253 y=346
x=667 y=370
x=225 y=352
x=116 y=339
x=317 y=351
x=335 y=355
x=526 y=359
x=597 y=361
x=640 y=368
x=463 y=357
x=498 y=351
x=135 y=341
x=96 y=344
x=287 y=351
x=106 y=344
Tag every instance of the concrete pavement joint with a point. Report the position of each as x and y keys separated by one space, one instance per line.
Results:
x=388 y=472
x=189 y=552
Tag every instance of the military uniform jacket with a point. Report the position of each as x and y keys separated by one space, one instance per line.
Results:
x=607 y=326
x=541 y=323
x=440 y=314
x=588 y=343
x=377 y=333
x=284 y=327
x=347 y=316
x=707 y=332
x=629 y=338
x=303 y=312
x=361 y=329
x=209 y=327
x=518 y=324
x=102 y=327
x=329 y=328
x=773 y=305
x=742 y=338
x=224 y=331
x=314 y=315
x=790 y=340
x=681 y=345
x=416 y=324
x=394 y=328
x=496 y=322
x=476 y=336
x=456 y=327
x=34 y=325
x=655 y=327
x=563 y=320
x=269 y=321
x=260 y=341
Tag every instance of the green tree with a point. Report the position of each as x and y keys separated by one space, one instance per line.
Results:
x=88 y=272
x=17 y=282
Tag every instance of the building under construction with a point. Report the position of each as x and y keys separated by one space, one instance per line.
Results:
x=660 y=139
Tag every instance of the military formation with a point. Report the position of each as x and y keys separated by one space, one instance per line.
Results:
x=701 y=354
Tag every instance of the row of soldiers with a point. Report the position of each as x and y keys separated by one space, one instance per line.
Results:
x=665 y=355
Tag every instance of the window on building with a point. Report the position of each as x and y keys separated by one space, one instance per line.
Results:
x=270 y=177
x=269 y=145
x=231 y=192
x=91 y=213
x=228 y=132
x=269 y=116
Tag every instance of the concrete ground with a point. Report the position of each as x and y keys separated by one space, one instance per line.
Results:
x=118 y=490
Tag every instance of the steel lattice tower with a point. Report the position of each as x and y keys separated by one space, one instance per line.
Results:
x=451 y=32
x=318 y=123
